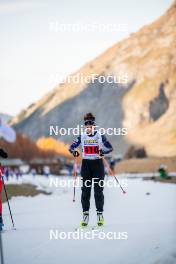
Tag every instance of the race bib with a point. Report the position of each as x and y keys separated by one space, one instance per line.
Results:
x=91 y=150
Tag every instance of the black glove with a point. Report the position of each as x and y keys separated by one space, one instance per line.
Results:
x=101 y=153
x=75 y=153
x=3 y=154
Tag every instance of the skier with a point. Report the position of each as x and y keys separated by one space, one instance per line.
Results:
x=4 y=155
x=94 y=146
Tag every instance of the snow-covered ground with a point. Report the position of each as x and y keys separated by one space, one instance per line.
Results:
x=149 y=220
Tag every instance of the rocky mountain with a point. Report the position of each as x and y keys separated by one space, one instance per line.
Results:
x=146 y=105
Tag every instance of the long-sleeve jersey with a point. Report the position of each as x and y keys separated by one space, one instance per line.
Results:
x=91 y=144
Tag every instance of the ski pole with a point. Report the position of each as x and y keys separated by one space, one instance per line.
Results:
x=8 y=202
x=75 y=176
x=112 y=173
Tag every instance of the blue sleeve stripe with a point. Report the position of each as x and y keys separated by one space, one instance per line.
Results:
x=75 y=143
x=107 y=145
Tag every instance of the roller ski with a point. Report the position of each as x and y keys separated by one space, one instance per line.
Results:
x=85 y=221
x=100 y=219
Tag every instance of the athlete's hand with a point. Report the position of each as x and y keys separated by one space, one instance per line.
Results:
x=101 y=153
x=75 y=153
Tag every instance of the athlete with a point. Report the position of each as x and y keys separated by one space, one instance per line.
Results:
x=94 y=146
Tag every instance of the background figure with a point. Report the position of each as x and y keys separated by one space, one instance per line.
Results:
x=6 y=172
x=33 y=172
x=163 y=171
x=46 y=171
x=17 y=173
x=11 y=172
x=70 y=169
x=112 y=163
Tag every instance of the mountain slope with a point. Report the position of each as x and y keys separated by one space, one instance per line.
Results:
x=146 y=106
x=5 y=117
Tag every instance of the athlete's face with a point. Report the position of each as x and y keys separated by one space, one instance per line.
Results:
x=90 y=129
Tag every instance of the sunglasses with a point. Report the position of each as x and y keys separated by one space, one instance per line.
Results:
x=89 y=122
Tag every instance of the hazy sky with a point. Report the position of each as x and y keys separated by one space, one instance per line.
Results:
x=33 y=55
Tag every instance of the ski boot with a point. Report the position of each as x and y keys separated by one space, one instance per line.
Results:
x=100 y=219
x=85 y=220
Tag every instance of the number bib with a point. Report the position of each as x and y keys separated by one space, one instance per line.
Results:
x=88 y=150
x=91 y=146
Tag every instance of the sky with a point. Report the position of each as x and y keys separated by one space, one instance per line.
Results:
x=42 y=41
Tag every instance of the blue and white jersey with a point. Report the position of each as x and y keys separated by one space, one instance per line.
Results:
x=91 y=145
